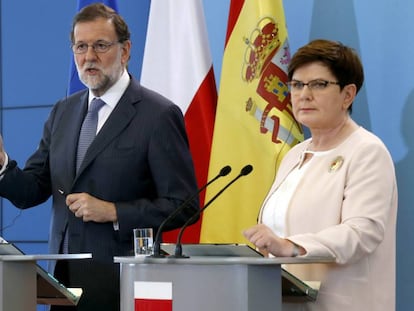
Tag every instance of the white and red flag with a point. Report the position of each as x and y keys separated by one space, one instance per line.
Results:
x=177 y=64
x=153 y=296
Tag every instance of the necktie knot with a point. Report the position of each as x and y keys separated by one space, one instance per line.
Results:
x=96 y=105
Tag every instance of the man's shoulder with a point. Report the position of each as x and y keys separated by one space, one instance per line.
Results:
x=75 y=97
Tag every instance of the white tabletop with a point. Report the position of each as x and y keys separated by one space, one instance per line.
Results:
x=212 y=260
x=37 y=257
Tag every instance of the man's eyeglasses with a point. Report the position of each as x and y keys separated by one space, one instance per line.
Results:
x=98 y=47
x=313 y=85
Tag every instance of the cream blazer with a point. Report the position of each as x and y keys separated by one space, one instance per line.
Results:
x=345 y=206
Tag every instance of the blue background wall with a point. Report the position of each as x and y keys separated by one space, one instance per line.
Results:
x=34 y=70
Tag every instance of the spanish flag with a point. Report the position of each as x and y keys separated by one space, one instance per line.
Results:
x=254 y=123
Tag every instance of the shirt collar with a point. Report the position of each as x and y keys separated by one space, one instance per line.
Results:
x=115 y=92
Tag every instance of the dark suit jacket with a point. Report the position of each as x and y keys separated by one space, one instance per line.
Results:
x=139 y=160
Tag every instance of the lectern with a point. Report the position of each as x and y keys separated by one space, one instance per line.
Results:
x=24 y=284
x=205 y=283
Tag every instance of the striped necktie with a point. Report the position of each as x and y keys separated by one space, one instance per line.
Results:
x=86 y=136
x=88 y=130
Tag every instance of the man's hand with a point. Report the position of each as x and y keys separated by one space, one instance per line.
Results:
x=90 y=208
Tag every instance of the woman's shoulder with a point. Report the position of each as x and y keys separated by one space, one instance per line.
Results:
x=362 y=138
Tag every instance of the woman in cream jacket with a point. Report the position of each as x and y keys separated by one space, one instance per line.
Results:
x=335 y=194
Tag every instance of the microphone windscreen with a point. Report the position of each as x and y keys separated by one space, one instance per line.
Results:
x=225 y=170
x=246 y=170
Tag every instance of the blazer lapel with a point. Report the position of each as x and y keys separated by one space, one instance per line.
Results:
x=71 y=122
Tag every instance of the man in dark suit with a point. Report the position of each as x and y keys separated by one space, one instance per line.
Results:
x=136 y=172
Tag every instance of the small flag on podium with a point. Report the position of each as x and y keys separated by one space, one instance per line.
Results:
x=153 y=296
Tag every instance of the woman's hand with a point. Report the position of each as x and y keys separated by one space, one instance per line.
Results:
x=268 y=242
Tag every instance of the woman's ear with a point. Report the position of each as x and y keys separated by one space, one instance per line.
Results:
x=349 y=91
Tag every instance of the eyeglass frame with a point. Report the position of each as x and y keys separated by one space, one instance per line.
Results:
x=94 y=46
x=312 y=85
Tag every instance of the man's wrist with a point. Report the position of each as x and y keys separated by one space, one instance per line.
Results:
x=8 y=165
x=3 y=167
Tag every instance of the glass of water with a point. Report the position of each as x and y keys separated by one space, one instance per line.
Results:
x=143 y=240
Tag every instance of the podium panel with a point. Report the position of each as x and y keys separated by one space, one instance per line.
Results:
x=18 y=285
x=24 y=284
x=226 y=278
x=207 y=286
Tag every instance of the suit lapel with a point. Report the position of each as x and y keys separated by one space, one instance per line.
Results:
x=71 y=122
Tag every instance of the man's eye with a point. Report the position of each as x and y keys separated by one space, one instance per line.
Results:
x=81 y=47
x=101 y=46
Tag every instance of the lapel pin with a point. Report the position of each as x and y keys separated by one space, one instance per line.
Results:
x=336 y=164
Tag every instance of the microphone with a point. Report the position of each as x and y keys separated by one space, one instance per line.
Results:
x=178 y=253
x=157 y=241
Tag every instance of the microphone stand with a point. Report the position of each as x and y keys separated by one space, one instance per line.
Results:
x=157 y=241
x=178 y=252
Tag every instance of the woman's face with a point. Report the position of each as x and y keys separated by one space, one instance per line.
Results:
x=321 y=104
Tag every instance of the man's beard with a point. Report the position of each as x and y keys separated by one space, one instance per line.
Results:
x=101 y=82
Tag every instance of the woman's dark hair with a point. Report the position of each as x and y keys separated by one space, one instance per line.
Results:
x=99 y=10
x=342 y=61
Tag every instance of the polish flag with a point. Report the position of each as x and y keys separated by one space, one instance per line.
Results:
x=153 y=296
x=177 y=64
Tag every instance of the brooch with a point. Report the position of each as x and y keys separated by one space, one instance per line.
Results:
x=336 y=164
